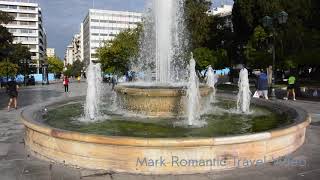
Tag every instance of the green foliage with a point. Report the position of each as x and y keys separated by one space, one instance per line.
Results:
x=5 y=18
x=222 y=58
x=68 y=71
x=8 y=69
x=55 y=65
x=76 y=68
x=18 y=55
x=115 y=58
x=204 y=57
x=257 y=52
x=5 y=37
x=296 y=41
x=198 y=22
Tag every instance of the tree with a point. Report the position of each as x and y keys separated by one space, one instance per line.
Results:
x=55 y=65
x=76 y=68
x=293 y=40
x=8 y=69
x=20 y=55
x=6 y=38
x=257 y=52
x=198 y=22
x=204 y=57
x=115 y=56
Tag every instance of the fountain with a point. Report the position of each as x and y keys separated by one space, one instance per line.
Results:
x=94 y=80
x=193 y=95
x=244 y=94
x=211 y=82
x=171 y=82
x=163 y=119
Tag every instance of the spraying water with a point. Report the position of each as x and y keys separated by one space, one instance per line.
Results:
x=94 y=81
x=211 y=82
x=193 y=95
x=163 y=42
x=244 y=95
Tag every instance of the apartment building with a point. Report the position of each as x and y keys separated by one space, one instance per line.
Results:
x=51 y=52
x=76 y=47
x=223 y=10
x=101 y=26
x=68 y=58
x=27 y=28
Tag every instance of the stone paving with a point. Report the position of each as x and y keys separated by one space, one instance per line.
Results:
x=16 y=164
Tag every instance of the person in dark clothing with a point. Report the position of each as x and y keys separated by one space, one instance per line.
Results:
x=262 y=85
x=12 y=90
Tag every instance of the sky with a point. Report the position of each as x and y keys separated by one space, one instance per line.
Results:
x=62 y=18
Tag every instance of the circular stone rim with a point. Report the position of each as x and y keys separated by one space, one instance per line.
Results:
x=301 y=120
x=119 y=154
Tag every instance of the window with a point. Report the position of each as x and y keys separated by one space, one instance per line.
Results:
x=94 y=56
x=13 y=14
x=13 y=23
x=8 y=7
x=24 y=15
x=12 y=30
x=94 y=20
x=27 y=23
x=13 y=7
x=27 y=8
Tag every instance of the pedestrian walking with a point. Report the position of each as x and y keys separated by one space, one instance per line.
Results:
x=114 y=81
x=290 y=88
x=66 y=84
x=12 y=90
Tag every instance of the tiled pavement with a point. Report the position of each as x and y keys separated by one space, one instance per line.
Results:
x=16 y=164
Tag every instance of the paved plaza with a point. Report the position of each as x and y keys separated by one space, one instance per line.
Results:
x=16 y=163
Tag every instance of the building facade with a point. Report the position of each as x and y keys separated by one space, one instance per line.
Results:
x=51 y=52
x=76 y=47
x=223 y=10
x=100 y=26
x=68 y=58
x=27 y=28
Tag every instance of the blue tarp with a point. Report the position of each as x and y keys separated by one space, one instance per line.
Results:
x=37 y=77
x=224 y=71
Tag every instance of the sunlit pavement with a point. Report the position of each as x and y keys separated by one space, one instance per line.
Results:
x=15 y=163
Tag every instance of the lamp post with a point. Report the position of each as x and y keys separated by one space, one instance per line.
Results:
x=45 y=80
x=270 y=23
x=7 y=70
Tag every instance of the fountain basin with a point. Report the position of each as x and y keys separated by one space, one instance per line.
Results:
x=154 y=101
x=179 y=155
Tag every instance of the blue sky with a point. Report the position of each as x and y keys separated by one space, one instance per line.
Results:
x=62 y=18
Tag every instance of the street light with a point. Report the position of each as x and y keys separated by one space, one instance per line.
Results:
x=270 y=23
x=283 y=17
